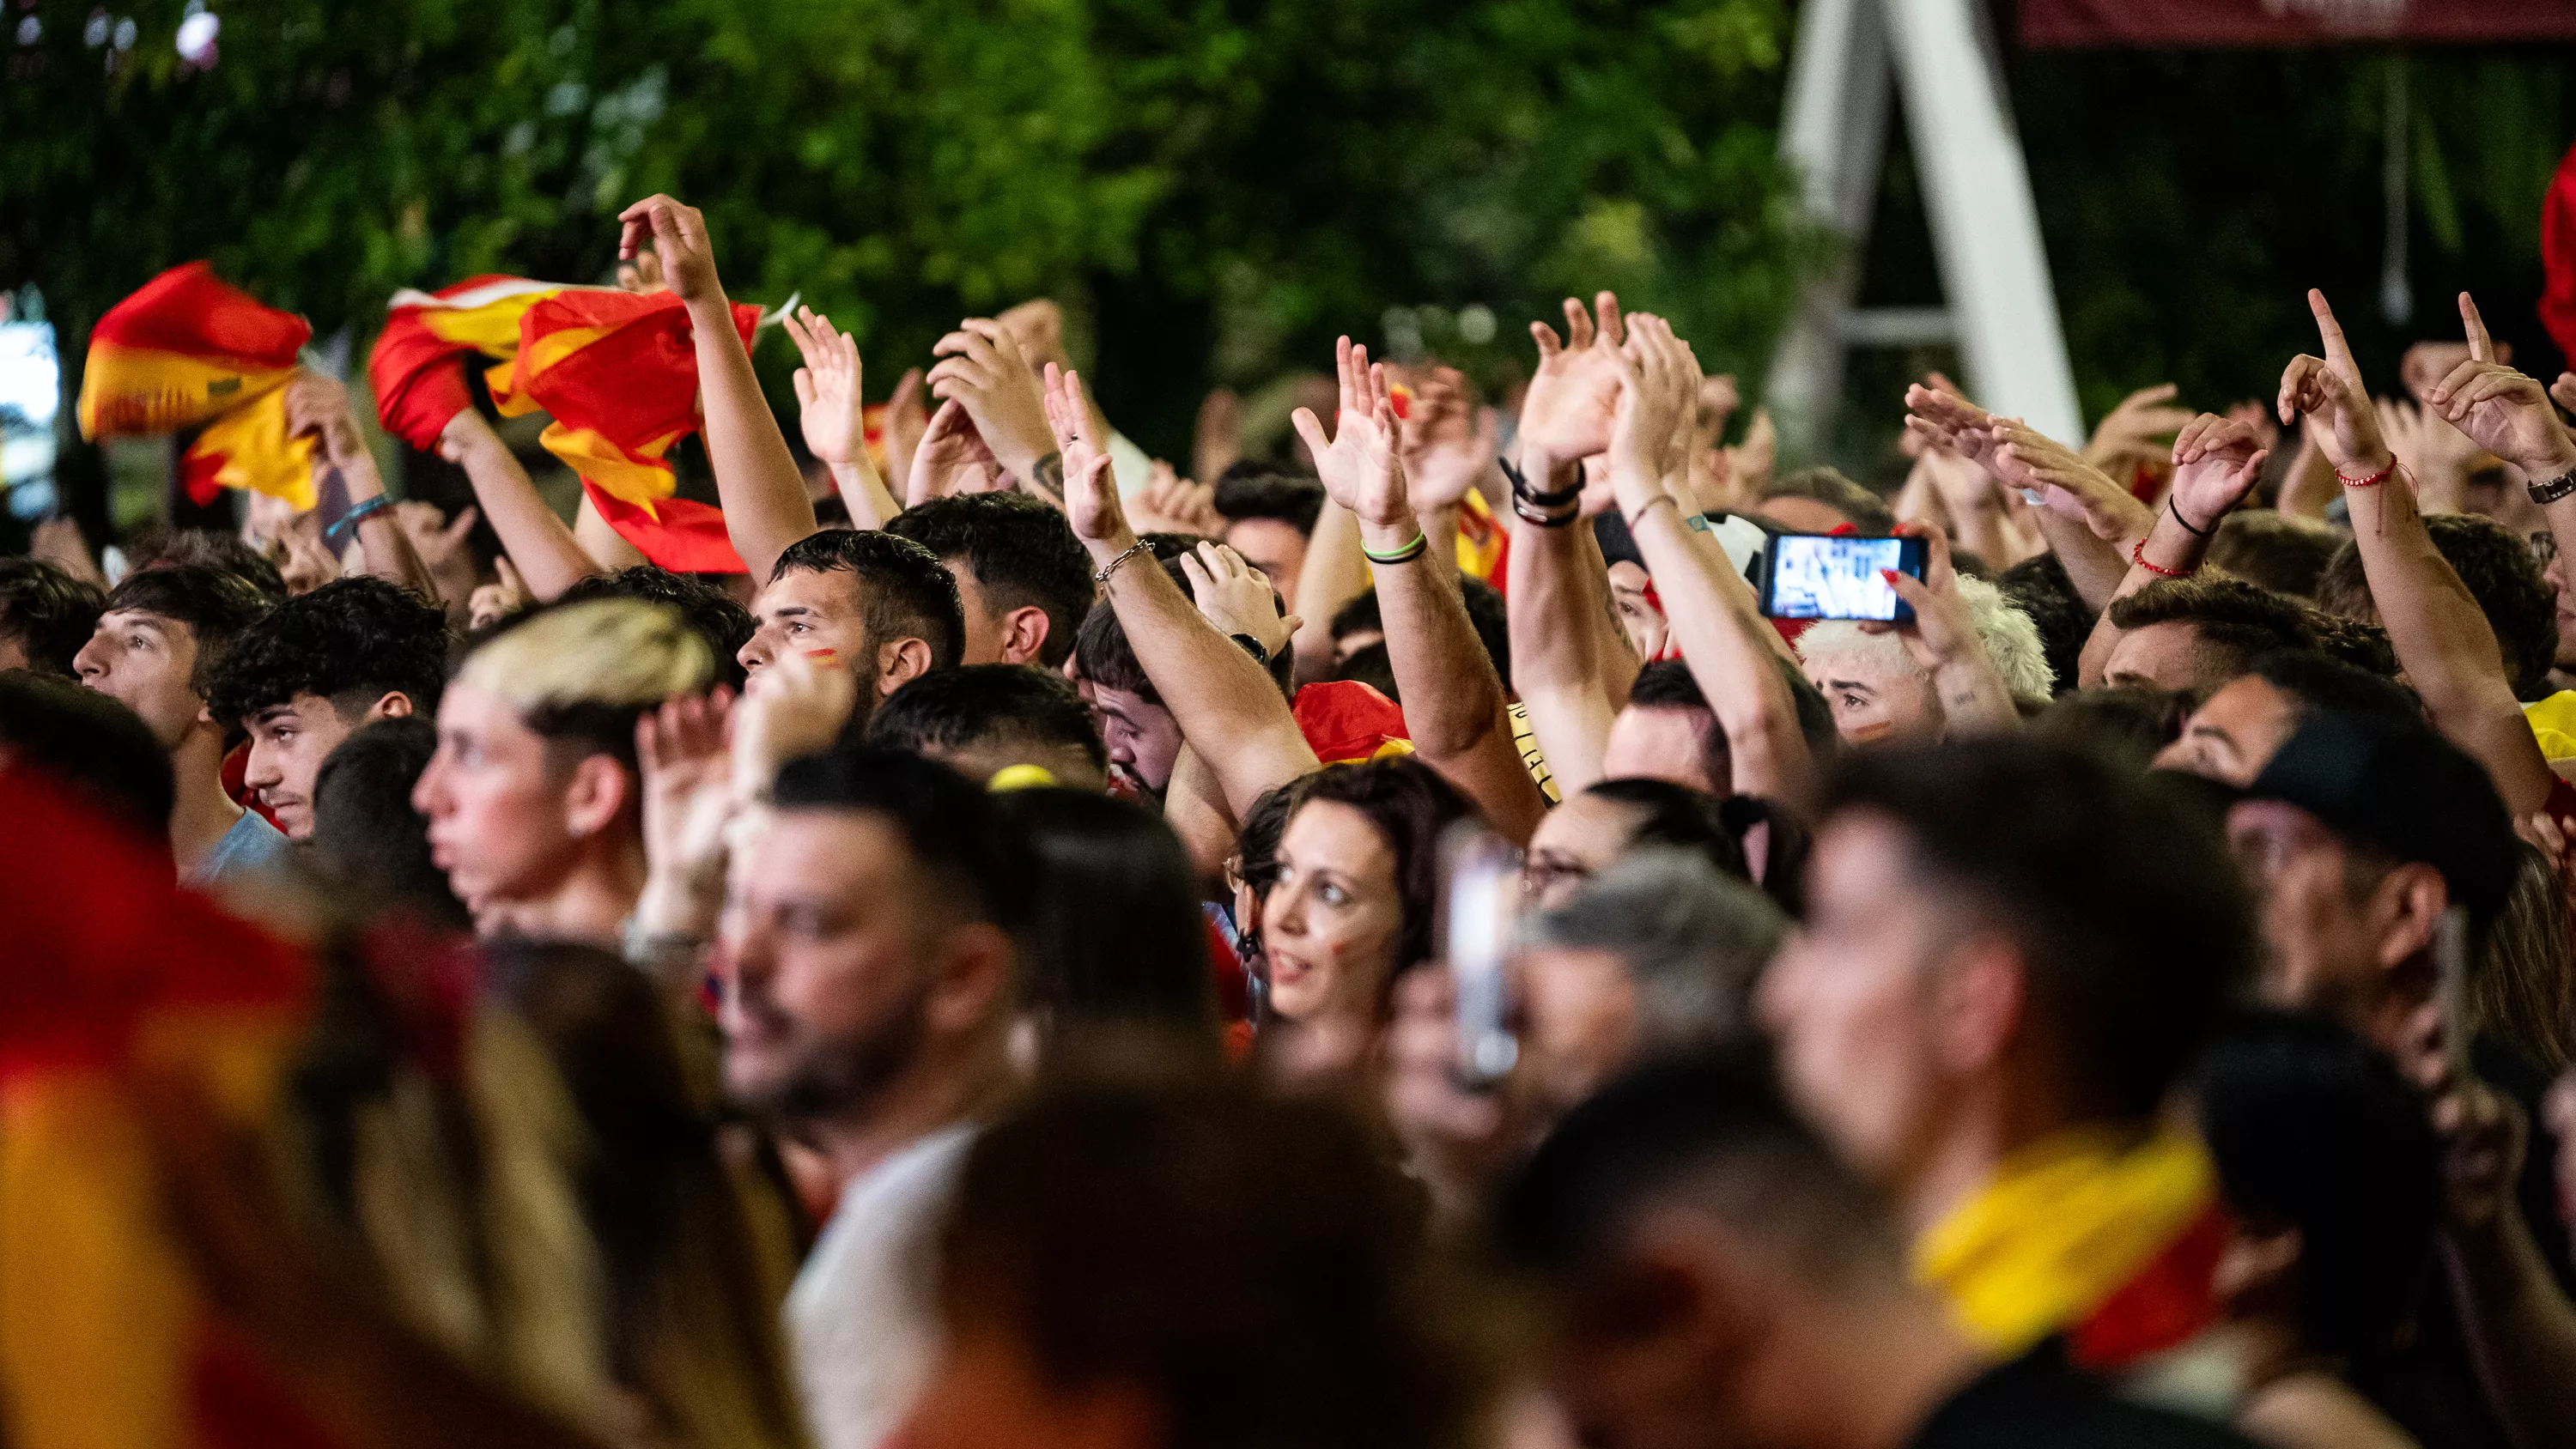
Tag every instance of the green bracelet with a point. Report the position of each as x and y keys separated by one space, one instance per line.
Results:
x=1406 y=554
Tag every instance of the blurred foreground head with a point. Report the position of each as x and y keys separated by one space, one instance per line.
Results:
x=1185 y=1266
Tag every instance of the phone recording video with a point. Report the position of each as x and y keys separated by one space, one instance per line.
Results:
x=1832 y=576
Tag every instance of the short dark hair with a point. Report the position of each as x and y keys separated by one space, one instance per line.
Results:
x=2316 y=1131
x=2316 y=680
x=2357 y=642
x=2280 y=551
x=2040 y=587
x=2130 y=725
x=1022 y=552
x=2500 y=572
x=351 y=641
x=2235 y=621
x=955 y=708
x=1708 y=1130
x=709 y=611
x=2070 y=855
x=1410 y=804
x=905 y=592
x=91 y=742
x=162 y=546
x=1253 y=489
x=49 y=612
x=1371 y=665
x=1359 y=616
x=215 y=605
x=1166 y=1236
x=366 y=836
x=947 y=823
x=1667 y=684
x=1868 y=512
x=1115 y=936
x=1103 y=655
x=1679 y=818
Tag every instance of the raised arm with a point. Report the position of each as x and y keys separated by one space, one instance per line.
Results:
x=2088 y=521
x=983 y=370
x=549 y=558
x=1733 y=652
x=1944 y=643
x=2442 y=639
x=1228 y=708
x=2216 y=461
x=319 y=407
x=2509 y=415
x=763 y=494
x=829 y=409
x=1453 y=701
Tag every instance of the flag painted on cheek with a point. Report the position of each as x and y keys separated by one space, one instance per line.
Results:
x=112 y=976
x=187 y=350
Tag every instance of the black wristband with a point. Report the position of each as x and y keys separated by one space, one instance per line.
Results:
x=1521 y=491
x=2555 y=489
x=2209 y=532
x=1528 y=512
x=1252 y=646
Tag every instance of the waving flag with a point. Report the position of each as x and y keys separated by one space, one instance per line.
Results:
x=109 y=974
x=617 y=371
x=186 y=350
x=2558 y=258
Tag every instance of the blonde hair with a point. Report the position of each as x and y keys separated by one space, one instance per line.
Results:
x=588 y=669
x=2010 y=637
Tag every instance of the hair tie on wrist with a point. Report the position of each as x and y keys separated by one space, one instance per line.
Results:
x=1407 y=554
x=2209 y=532
x=1631 y=518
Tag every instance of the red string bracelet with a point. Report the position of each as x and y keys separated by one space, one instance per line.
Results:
x=2138 y=556
x=2373 y=481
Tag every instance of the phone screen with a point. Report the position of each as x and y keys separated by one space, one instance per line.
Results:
x=1476 y=915
x=1821 y=576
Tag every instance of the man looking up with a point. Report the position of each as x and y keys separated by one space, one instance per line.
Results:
x=1023 y=579
x=1717 y=1279
x=317 y=667
x=866 y=963
x=880 y=606
x=533 y=796
x=2010 y=952
x=157 y=645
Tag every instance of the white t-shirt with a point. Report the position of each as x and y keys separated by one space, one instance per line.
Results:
x=861 y=1315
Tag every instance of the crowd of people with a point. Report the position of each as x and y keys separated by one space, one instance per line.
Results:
x=1006 y=969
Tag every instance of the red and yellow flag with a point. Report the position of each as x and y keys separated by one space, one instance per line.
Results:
x=185 y=350
x=617 y=371
x=110 y=973
x=1346 y=721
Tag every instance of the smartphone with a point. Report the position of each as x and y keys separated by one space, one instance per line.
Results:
x=1477 y=912
x=1837 y=576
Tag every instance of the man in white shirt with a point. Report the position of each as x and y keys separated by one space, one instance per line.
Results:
x=867 y=964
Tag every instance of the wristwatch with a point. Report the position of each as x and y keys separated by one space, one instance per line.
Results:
x=2555 y=489
x=1253 y=647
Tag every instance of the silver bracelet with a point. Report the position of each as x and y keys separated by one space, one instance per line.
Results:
x=1101 y=575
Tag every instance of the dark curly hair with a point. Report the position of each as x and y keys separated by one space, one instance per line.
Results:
x=710 y=611
x=905 y=592
x=1021 y=551
x=1410 y=805
x=47 y=611
x=161 y=546
x=351 y=641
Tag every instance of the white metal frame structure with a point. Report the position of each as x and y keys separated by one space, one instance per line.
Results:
x=2002 y=312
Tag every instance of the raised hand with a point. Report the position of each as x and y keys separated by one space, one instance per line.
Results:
x=983 y=369
x=1942 y=632
x=1362 y=467
x=952 y=459
x=1937 y=417
x=1658 y=401
x=1170 y=503
x=2217 y=461
x=679 y=237
x=685 y=767
x=1236 y=597
x=2506 y=412
x=2131 y=430
x=318 y=407
x=907 y=417
x=493 y=602
x=827 y=388
x=1566 y=414
x=2563 y=391
x=794 y=707
x=2032 y=461
x=442 y=546
x=2329 y=393
x=1091 y=502
x=1448 y=441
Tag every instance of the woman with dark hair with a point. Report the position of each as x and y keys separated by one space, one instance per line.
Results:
x=1580 y=838
x=1116 y=940
x=367 y=839
x=1352 y=903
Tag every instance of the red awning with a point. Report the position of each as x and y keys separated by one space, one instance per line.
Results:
x=2077 y=24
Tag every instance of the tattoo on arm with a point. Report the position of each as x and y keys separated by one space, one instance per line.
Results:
x=1050 y=475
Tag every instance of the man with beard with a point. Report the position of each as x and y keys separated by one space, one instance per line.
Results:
x=867 y=965
x=883 y=607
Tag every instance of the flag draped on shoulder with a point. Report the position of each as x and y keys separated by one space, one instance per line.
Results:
x=111 y=977
x=616 y=370
x=187 y=350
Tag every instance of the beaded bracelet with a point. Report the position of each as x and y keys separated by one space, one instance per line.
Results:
x=2138 y=556
x=2373 y=481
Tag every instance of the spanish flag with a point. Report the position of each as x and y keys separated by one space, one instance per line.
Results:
x=109 y=974
x=186 y=350
x=1346 y=721
x=1484 y=545
x=615 y=369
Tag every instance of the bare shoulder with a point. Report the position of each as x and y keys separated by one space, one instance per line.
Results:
x=2317 y=1411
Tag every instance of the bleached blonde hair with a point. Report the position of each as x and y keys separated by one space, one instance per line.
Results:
x=2010 y=637
x=588 y=669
